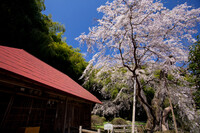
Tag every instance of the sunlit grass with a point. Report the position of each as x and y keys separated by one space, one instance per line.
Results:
x=129 y=123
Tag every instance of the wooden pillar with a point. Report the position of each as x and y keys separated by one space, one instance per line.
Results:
x=65 y=116
x=29 y=112
x=44 y=116
x=90 y=115
x=80 y=129
x=7 y=111
x=71 y=117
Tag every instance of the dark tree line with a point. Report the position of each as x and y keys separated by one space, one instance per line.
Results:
x=24 y=26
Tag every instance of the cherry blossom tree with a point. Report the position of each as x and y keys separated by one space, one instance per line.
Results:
x=143 y=33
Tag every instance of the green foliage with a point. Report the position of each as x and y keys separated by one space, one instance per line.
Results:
x=123 y=70
x=97 y=120
x=189 y=78
x=170 y=77
x=142 y=81
x=194 y=58
x=93 y=85
x=25 y=27
x=90 y=82
x=66 y=59
x=119 y=121
x=114 y=93
x=166 y=102
x=149 y=92
x=194 y=67
x=197 y=99
x=107 y=80
x=195 y=55
x=157 y=74
x=23 y=24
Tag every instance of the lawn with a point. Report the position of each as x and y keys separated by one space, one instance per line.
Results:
x=128 y=123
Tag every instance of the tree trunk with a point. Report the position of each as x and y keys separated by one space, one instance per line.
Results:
x=156 y=116
x=154 y=111
x=150 y=118
x=165 y=114
x=156 y=106
x=173 y=116
x=158 y=122
x=170 y=102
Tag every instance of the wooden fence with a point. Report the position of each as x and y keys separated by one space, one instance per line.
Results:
x=124 y=128
x=81 y=130
x=116 y=129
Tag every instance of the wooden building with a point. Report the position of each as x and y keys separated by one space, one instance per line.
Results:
x=35 y=96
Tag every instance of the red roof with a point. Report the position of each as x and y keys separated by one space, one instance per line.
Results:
x=24 y=64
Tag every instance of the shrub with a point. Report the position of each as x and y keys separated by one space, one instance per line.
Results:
x=96 y=120
x=103 y=119
x=119 y=121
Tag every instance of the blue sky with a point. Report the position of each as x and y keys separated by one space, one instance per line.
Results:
x=79 y=15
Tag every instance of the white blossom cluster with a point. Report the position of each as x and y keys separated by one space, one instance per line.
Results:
x=183 y=99
x=157 y=31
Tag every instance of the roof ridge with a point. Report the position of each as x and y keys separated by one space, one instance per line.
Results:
x=11 y=47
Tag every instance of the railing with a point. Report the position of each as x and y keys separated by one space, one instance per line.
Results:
x=122 y=129
x=81 y=130
x=116 y=129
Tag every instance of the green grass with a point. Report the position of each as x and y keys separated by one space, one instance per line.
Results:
x=129 y=123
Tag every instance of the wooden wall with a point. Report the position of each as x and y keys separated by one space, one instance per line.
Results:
x=29 y=105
